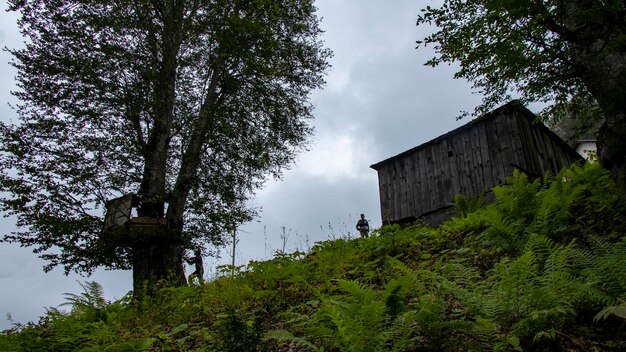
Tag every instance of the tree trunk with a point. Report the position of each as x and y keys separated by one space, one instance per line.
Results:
x=158 y=251
x=596 y=36
x=158 y=263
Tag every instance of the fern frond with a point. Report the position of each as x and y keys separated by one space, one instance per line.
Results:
x=284 y=336
x=540 y=245
x=606 y=269
x=618 y=310
x=358 y=291
x=92 y=297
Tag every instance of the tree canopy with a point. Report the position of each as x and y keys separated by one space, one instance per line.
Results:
x=186 y=103
x=527 y=47
x=550 y=51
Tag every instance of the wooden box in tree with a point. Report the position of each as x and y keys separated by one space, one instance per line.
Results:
x=118 y=214
x=121 y=228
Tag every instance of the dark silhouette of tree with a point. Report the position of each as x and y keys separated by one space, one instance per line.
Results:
x=189 y=105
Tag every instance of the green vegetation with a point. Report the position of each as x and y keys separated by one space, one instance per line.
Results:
x=542 y=268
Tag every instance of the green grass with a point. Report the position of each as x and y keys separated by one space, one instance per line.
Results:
x=543 y=268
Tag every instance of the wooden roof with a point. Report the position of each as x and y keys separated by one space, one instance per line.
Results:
x=509 y=107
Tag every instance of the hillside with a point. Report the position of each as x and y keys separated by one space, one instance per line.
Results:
x=541 y=269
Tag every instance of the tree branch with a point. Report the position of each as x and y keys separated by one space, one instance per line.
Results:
x=191 y=156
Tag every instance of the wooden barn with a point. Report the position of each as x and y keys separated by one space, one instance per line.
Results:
x=422 y=182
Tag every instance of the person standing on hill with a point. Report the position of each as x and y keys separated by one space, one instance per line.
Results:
x=363 y=226
x=196 y=261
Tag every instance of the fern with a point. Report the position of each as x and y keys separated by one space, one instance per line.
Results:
x=357 y=292
x=517 y=280
x=528 y=271
x=541 y=247
x=284 y=336
x=132 y=345
x=580 y=201
x=464 y=205
x=618 y=310
x=353 y=321
x=92 y=298
x=606 y=268
x=518 y=198
x=557 y=286
x=485 y=329
x=405 y=333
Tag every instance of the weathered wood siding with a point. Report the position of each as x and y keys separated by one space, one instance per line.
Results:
x=543 y=150
x=470 y=160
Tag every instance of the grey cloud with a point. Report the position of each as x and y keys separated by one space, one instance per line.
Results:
x=311 y=207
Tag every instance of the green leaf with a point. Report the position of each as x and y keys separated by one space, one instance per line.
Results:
x=180 y=328
x=134 y=345
x=619 y=310
x=513 y=340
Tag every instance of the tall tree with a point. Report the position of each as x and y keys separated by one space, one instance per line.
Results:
x=545 y=50
x=185 y=103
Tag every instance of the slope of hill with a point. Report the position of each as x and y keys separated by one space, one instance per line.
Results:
x=543 y=268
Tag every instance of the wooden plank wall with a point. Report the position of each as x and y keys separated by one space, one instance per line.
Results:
x=430 y=177
x=544 y=151
x=469 y=162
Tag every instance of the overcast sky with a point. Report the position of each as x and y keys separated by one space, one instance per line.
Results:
x=379 y=101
